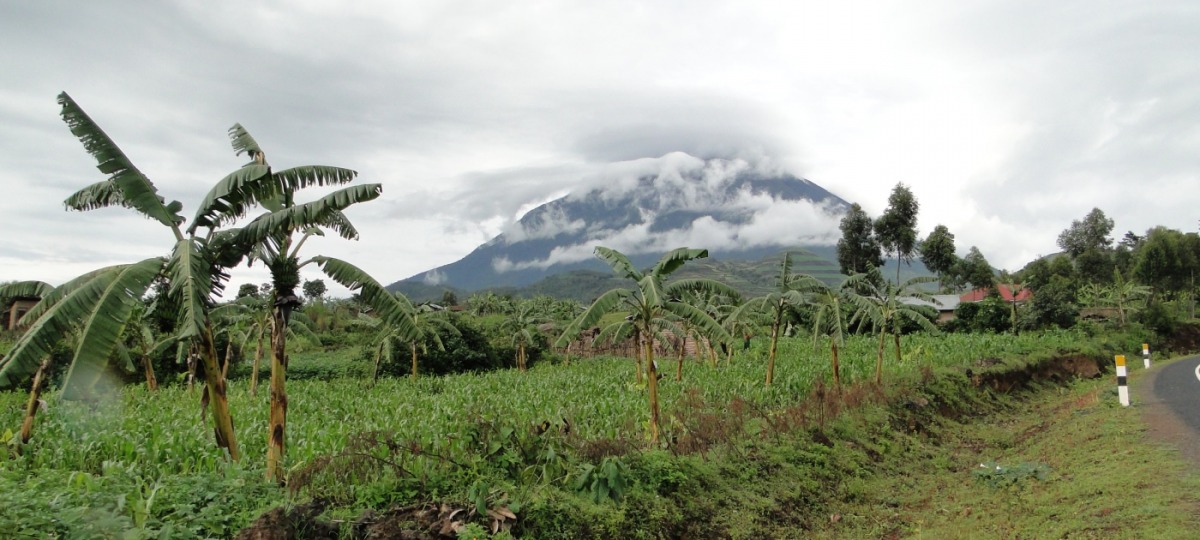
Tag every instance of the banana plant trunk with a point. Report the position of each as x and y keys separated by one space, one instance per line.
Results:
x=637 y=354
x=257 y=360
x=191 y=366
x=896 y=339
x=652 y=375
x=879 y=358
x=276 y=434
x=413 y=348
x=151 y=380
x=679 y=367
x=837 y=370
x=35 y=393
x=217 y=393
x=228 y=359
x=771 y=355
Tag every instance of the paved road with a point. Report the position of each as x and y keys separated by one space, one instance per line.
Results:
x=1169 y=396
x=1177 y=385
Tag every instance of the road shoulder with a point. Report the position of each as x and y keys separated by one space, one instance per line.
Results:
x=1162 y=424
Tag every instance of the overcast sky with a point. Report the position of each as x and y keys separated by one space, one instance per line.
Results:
x=1007 y=119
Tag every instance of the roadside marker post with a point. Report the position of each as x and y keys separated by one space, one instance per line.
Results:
x=1122 y=379
x=1146 y=354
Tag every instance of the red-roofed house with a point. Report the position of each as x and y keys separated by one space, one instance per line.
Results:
x=1005 y=294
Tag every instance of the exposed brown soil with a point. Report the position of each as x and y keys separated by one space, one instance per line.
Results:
x=1186 y=338
x=1059 y=369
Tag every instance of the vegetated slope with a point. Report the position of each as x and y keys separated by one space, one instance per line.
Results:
x=743 y=459
x=648 y=207
x=750 y=277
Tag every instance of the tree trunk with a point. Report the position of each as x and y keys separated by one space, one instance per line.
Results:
x=257 y=360
x=191 y=365
x=151 y=381
x=679 y=367
x=34 y=394
x=218 y=398
x=879 y=358
x=652 y=375
x=712 y=352
x=837 y=370
x=771 y=355
x=637 y=354
x=896 y=340
x=279 y=402
x=378 y=362
x=228 y=358
x=413 y=348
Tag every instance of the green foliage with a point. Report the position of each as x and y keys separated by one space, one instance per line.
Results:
x=989 y=315
x=999 y=476
x=608 y=480
x=937 y=251
x=1091 y=233
x=1054 y=304
x=858 y=251
x=896 y=229
x=974 y=269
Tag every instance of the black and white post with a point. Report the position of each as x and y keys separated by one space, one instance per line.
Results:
x=1146 y=354
x=1122 y=381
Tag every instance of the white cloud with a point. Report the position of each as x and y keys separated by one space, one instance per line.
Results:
x=1008 y=119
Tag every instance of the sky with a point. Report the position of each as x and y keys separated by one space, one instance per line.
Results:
x=1007 y=119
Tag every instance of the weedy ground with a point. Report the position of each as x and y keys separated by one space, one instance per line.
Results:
x=1064 y=462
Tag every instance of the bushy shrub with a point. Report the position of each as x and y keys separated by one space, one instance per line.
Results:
x=989 y=315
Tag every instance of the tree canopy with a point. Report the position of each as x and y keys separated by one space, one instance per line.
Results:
x=1090 y=233
x=858 y=251
x=896 y=229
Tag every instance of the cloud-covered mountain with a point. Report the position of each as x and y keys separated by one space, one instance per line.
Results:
x=646 y=207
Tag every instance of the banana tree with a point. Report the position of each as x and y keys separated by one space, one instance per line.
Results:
x=270 y=238
x=650 y=306
x=887 y=305
x=520 y=327
x=424 y=325
x=92 y=310
x=99 y=304
x=785 y=296
x=828 y=319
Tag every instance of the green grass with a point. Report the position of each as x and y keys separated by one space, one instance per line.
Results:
x=1100 y=477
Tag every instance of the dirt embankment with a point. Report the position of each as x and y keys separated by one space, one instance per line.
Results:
x=994 y=374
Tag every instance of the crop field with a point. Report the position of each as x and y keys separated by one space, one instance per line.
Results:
x=130 y=454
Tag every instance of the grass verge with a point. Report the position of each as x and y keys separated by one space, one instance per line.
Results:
x=1072 y=463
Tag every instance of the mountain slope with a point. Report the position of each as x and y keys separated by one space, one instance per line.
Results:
x=645 y=208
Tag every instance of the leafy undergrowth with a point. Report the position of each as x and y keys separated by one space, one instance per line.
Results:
x=558 y=452
x=941 y=455
x=1068 y=463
